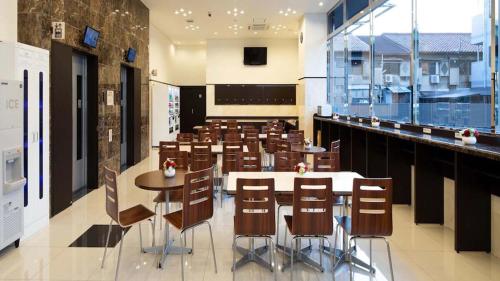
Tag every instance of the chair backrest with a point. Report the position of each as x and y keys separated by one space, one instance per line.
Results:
x=232 y=131
x=283 y=146
x=254 y=207
x=335 y=146
x=326 y=162
x=312 y=206
x=372 y=207
x=232 y=137
x=272 y=140
x=215 y=122
x=206 y=134
x=169 y=146
x=111 y=187
x=248 y=162
x=286 y=161
x=229 y=151
x=292 y=131
x=201 y=155
x=179 y=157
x=184 y=137
x=295 y=138
x=245 y=128
x=252 y=144
x=232 y=124
x=198 y=198
x=251 y=132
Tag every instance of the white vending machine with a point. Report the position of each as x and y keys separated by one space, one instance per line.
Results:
x=30 y=65
x=12 y=178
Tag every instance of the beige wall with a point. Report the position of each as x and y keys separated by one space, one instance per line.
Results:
x=190 y=65
x=225 y=65
x=161 y=56
x=8 y=20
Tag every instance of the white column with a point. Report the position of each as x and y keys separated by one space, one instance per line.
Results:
x=311 y=90
x=8 y=21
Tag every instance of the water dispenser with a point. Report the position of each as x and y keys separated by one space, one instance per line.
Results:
x=13 y=178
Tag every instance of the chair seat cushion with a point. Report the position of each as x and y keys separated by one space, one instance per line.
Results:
x=176 y=196
x=345 y=223
x=134 y=215
x=175 y=219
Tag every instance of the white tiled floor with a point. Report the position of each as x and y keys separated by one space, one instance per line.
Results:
x=423 y=252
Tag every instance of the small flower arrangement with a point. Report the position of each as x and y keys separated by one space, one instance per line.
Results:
x=207 y=139
x=169 y=168
x=335 y=116
x=375 y=121
x=469 y=135
x=307 y=143
x=300 y=168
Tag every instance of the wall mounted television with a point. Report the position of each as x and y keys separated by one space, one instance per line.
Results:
x=90 y=37
x=255 y=56
x=131 y=54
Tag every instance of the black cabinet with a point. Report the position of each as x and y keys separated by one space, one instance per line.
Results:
x=246 y=94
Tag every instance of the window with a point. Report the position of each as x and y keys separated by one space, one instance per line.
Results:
x=408 y=61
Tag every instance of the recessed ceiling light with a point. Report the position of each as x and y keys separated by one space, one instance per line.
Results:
x=275 y=32
x=189 y=12
x=255 y=32
x=281 y=11
x=288 y=9
x=215 y=33
x=235 y=33
x=286 y=14
x=320 y=4
x=242 y=12
x=228 y=12
x=181 y=9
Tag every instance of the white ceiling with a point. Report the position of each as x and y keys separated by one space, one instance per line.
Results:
x=163 y=17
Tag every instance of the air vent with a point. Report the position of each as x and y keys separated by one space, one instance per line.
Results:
x=190 y=21
x=258 y=24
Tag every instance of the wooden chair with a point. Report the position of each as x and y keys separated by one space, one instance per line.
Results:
x=326 y=162
x=197 y=208
x=181 y=160
x=232 y=137
x=294 y=138
x=252 y=132
x=284 y=162
x=273 y=136
x=335 y=146
x=229 y=151
x=184 y=137
x=371 y=215
x=208 y=134
x=125 y=219
x=232 y=124
x=248 y=162
x=215 y=122
x=169 y=146
x=232 y=131
x=312 y=213
x=283 y=146
x=292 y=131
x=252 y=144
x=254 y=216
x=245 y=128
x=201 y=156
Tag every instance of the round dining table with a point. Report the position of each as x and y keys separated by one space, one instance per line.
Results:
x=303 y=150
x=156 y=181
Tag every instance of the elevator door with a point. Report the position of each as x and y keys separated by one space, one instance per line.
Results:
x=123 y=114
x=79 y=123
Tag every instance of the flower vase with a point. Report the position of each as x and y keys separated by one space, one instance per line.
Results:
x=375 y=124
x=170 y=172
x=469 y=140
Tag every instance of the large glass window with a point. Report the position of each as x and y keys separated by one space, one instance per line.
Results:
x=453 y=80
x=420 y=61
x=392 y=89
x=358 y=67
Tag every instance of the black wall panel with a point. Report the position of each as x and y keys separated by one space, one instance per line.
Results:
x=245 y=94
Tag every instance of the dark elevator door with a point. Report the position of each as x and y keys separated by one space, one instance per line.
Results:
x=193 y=107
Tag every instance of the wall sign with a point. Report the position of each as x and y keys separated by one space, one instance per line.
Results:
x=58 y=30
x=110 y=97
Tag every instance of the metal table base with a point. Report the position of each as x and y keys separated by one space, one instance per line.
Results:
x=252 y=254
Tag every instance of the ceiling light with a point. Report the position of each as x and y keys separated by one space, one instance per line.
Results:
x=255 y=32
x=281 y=11
x=235 y=33
x=184 y=15
x=242 y=12
x=294 y=12
x=288 y=10
x=176 y=12
x=215 y=33
x=189 y=12
x=126 y=12
x=228 y=12
x=181 y=9
x=286 y=14
x=236 y=10
x=275 y=32
x=117 y=11
x=320 y=4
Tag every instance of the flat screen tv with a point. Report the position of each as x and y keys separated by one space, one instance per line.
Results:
x=131 y=53
x=255 y=56
x=90 y=37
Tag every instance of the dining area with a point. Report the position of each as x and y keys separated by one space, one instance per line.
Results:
x=285 y=206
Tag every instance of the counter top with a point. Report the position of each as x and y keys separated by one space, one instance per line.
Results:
x=479 y=149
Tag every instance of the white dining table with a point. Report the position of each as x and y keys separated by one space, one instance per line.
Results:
x=222 y=127
x=216 y=148
x=284 y=181
x=264 y=136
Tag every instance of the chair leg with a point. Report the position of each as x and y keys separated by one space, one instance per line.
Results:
x=107 y=242
x=154 y=226
x=278 y=226
x=321 y=247
x=192 y=241
x=291 y=249
x=233 y=268
x=140 y=238
x=212 y=244
x=390 y=259
x=273 y=260
x=153 y=222
x=291 y=255
x=183 y=243
x=335 y=244
x=119 y=256
x=370 y=243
